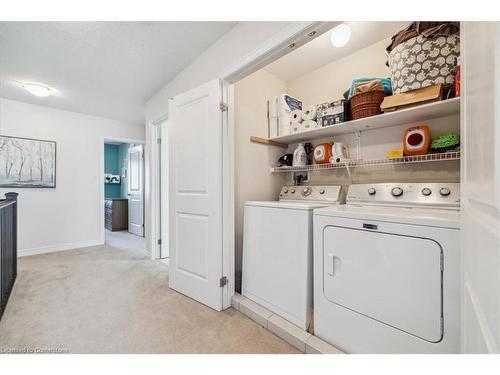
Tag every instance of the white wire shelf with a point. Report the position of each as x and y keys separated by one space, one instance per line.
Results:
x=424 y=112
x=367 y=163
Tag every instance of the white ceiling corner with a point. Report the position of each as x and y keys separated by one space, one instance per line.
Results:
x=320 y=51
x=106 y=69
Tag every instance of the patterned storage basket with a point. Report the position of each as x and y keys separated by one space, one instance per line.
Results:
x=421 y=62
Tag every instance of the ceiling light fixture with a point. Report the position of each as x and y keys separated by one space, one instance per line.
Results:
x=340 y=35
x=37 y=89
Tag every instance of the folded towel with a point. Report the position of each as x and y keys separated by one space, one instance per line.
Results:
x=374 y=85
x=386 y=83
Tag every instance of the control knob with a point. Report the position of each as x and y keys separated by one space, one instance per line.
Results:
x=372 y=191
x=322 y=191
x=292 y=191
x=445 y=191
x=396 y=191
x=426 y=192
x=306 y=191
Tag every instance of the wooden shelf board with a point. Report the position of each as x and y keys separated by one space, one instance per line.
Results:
x=268 y=142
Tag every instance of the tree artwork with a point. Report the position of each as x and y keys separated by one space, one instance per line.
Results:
x=27 y=163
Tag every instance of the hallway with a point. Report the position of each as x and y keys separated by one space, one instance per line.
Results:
x=122 y=239
x=110 y=299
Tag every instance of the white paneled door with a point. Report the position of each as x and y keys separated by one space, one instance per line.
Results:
x=195 y=194
x=480 y=55
x=135 y=191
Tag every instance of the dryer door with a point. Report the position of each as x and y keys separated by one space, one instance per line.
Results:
x=392 y=278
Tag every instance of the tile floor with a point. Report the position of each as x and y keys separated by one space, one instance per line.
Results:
x=298 y=338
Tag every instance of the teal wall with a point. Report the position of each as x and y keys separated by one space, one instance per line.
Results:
x=112 y=165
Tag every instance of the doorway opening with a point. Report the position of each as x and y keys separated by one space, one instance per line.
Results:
x=124 y=196
x=157 y=196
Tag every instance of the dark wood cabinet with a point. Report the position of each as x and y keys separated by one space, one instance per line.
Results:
x=116 y=214
x=8 y=247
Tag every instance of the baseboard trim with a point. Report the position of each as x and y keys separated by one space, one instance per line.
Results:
x=56 y=248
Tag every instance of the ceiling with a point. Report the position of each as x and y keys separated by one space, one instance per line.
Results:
x=320 y=51
x=107 y=69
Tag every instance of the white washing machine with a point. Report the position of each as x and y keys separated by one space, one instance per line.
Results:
x=386 y=269
x=277 y=250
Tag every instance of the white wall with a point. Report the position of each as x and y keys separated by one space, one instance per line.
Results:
x=329 y=82
x=252 y=161
x=70 y=215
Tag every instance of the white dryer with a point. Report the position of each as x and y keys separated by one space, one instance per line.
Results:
x=386 y=269
x=277 y=250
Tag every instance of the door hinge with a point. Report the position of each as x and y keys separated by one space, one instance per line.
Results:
x=223 y=107
x=223 y=281
x=159 y=241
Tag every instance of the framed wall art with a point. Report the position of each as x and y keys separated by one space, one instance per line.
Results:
x=27 y=163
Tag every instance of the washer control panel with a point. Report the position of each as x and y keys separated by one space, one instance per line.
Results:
x=324 y=193
x=438 y=195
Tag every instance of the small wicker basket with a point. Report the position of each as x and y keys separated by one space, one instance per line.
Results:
x=367 y=104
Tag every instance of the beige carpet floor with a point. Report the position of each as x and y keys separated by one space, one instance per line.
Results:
x=122 y=239
x=106 y=299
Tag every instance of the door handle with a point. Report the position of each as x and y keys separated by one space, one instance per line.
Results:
x=333 y=265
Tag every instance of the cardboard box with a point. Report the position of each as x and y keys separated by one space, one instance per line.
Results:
x=412 y=98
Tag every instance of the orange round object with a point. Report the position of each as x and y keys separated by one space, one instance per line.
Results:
x=322 y=153
x=417 y=140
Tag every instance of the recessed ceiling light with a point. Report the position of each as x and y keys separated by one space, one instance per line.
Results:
x=340 y=35
x=37 y=89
